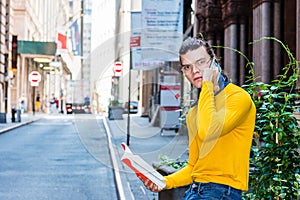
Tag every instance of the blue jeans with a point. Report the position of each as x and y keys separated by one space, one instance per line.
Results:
x=212 y=191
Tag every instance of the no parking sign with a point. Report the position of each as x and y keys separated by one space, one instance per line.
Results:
x=34 y=78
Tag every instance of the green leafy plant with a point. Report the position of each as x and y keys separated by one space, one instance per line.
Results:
x=176 y=164
x=275 y=150
x=114 y=103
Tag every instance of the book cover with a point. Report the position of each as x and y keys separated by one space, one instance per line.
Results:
x=141 y=167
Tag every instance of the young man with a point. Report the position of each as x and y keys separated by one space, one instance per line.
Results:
x=220 y=129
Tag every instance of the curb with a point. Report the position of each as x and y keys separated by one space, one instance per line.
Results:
x=120 y=189
x=17 y=126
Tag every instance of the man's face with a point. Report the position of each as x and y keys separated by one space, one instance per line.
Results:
x=193 y=64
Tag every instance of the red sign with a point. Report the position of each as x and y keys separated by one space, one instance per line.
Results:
x=34 y=78
x=118 y=67
x=135 y=41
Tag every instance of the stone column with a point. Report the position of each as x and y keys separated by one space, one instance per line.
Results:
x=235 y=15
x=277 y=48
x=230 y=57
x=261 y=50
x=209 y=15
x=243 y=49
x=265 y=47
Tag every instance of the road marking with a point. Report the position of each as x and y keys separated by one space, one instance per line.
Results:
x=114 y=162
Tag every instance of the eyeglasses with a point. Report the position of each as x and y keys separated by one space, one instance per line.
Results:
x=199 y=64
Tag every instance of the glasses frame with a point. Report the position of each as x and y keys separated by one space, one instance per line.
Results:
x=195 y=64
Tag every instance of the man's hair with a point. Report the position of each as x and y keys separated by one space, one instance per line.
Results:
x=193 y=43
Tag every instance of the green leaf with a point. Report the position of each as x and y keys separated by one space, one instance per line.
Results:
x=274 y=87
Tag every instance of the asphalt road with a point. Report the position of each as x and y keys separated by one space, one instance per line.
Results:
x=56 y=158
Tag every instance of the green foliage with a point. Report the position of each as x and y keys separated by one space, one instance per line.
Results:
x=114 y=103
x=275 y=151
x=164 y=160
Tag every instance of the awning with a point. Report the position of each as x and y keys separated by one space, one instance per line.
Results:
x=36 y=48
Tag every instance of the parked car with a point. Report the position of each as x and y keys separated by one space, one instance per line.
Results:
x=133 y=107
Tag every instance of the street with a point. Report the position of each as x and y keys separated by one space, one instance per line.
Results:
x=79 y=157
x=57 y=157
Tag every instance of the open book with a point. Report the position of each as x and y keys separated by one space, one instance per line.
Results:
x=141 y=167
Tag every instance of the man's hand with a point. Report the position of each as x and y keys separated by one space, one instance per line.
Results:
x=150 y=185
x=212 y=74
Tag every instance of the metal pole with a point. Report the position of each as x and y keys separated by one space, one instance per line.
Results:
x=33 y=100
x=128 y=108
x=128 y=104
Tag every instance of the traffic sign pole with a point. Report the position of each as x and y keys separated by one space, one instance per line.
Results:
x=34 y=78
x=33 y=103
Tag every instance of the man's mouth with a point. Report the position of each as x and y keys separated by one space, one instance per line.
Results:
x=198 y=78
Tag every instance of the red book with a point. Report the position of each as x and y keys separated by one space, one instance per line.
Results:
x=141 y=167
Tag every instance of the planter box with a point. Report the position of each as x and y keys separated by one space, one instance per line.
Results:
x=115 y=112
x=172 y=194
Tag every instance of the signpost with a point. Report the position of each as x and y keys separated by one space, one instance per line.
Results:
x=34 y=78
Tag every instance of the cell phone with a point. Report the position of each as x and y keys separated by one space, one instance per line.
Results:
x=211 y=63
x=214 y=63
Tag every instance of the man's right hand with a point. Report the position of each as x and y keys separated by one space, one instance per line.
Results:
x=150 y=185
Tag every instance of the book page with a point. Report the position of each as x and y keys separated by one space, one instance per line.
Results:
x=141 y=167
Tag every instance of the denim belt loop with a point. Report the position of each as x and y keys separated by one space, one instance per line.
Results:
x=199 y=188
x=229 y=190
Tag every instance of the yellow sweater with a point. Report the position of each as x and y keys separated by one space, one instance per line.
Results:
x=220 y=132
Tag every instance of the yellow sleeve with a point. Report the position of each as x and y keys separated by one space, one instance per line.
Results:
x=179 y=178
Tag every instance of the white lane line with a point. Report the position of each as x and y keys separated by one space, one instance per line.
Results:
x=114 y=162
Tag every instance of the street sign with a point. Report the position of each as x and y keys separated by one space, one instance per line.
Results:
x=118 y=67
x=34 y=78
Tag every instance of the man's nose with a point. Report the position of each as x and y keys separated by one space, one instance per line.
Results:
x=195 y=68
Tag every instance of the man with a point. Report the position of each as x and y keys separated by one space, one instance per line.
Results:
x=220 y=129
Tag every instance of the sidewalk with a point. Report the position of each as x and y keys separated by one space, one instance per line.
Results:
x=146 y=141
x=25 y=119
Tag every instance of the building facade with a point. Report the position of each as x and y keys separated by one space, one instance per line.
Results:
x=86 y=44
x=236 y=24
x=29 y=34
